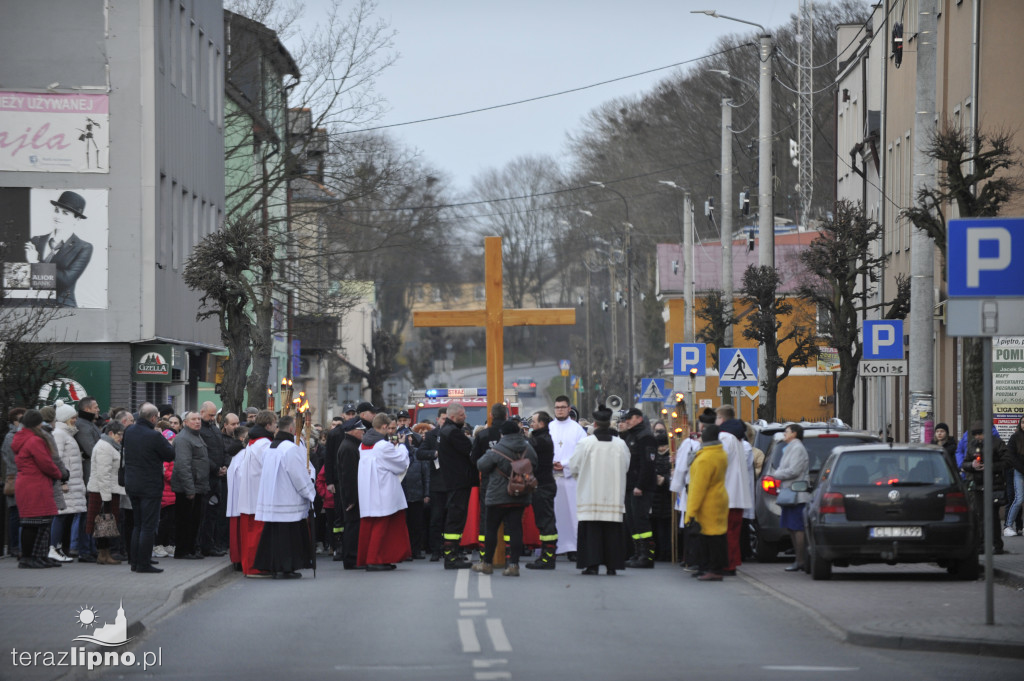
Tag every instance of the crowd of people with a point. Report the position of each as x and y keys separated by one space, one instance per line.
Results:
x=374 y=489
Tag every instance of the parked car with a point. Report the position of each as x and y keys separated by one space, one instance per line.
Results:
x=819 y=440
x=527 y=387
x=889 y=503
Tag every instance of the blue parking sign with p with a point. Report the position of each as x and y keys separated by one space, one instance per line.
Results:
x=985 y=257
x=686 y=356
x=883 y=339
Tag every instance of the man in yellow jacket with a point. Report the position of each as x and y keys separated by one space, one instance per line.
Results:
x=707 y=504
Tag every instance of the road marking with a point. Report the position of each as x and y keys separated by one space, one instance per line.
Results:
x=472 y=604
x=807 y=668
x=462 y=585
x=486 y=664
x=487 y=676
x=498 y=636
x=467 y=633
x=472 y=611
x=484 y=585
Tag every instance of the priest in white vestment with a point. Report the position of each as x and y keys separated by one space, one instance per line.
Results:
x=383 y=533
x=599 y=466
x=283 y=504
x=565 y=433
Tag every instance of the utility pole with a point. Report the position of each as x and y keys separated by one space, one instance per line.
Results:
x=689 y=325
x=765 y=205
x=922 y=250
x=805 y=128
x=726 y=228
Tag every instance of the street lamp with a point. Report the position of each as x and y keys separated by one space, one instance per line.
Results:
x=766 y=209
x=629 y=288
x=689 y=327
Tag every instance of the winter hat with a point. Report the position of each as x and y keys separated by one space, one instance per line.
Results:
x=509 y=428
x=31 y=418
x=661 y=439
x=64 y=411
x=603 y=413
x=734 y=427
x=707 y=416
x=943 y=426
x=977 y=427
x=49 y=413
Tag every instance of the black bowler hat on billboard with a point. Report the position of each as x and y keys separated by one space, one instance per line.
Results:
x=72 y=202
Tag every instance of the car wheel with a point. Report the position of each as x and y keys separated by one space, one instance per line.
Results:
x=821 y=569
x=766 y=550
x=965 y=569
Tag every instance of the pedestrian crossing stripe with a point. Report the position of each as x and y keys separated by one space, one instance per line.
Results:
x=740 y=367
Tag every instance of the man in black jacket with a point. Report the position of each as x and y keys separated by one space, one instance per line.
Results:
x=87 y=436
x=483 y=441
x=454 y=451
x=216 y=514
x=347 y=496
x=145 y=450
x=641 y=481
x=438 y=492
x=544 y=495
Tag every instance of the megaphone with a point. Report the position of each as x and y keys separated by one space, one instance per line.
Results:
x=614 y=402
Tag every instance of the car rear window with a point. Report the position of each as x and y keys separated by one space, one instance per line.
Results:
x=818 y=448
x=891 y=468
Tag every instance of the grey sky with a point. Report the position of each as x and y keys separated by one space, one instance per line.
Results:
x=458 y=55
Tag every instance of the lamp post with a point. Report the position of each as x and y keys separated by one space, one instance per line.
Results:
x=689 y=324
x=629 y=290
x=765 y=207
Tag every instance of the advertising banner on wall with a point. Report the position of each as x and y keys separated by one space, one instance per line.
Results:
x=1007 y=384
x=54 y=133
x=79 y=379
x=53 y=246
x=151 y=363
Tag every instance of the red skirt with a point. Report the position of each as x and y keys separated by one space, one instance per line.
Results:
x=383 y=540
x=472 y=531
x=244 y=539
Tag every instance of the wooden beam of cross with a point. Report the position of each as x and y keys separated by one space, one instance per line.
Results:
x=494 y=318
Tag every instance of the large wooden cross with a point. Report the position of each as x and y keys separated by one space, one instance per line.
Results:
x=494 y=318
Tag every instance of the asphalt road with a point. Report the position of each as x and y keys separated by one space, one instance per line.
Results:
x=422 y=622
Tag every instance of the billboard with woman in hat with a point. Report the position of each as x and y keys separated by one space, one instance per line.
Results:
x=54 y=247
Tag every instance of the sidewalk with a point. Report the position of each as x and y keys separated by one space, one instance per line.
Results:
x=912 y=607
x=39 y=609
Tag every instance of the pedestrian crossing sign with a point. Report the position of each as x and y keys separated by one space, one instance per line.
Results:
x=652 y=390
x=739 y=367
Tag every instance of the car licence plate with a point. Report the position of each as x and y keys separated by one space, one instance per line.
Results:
x=894 y=532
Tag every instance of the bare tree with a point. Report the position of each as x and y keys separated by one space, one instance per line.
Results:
x=844 y=273
x=764 y=323
x=29 y=359
x=978 y=174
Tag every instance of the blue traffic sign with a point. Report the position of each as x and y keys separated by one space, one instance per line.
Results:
x=652 y=390
x=985 y=257
x=685 y=356
x=739 y=367
x=883 y=339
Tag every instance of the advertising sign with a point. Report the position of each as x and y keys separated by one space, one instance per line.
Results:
x=56 y=133
x=151 y=363
x=53 y=247
x=827 y=360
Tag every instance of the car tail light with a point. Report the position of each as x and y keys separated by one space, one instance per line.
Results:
x=515 y=384
x=770 y=485
x=532 y=384
x=956 y=503
x=833 y=502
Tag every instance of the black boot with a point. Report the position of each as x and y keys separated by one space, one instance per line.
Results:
x=547 y=557
x=452 y=559
x=645 y=555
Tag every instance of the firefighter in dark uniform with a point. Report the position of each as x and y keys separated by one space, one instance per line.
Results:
x=544 y=495
x=481 y=443
x=460 y=476
x=641 y=483
x=438 y=492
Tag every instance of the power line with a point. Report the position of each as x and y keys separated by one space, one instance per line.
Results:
x=548 y=96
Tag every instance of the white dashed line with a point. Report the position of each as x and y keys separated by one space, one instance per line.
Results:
x=462 y=585
x=472 y=604
x=807 y=668
x=487 y=664
x=467 y=633
x=498 y=636
x=492 y=676
x=472 y=612
x=484 y=585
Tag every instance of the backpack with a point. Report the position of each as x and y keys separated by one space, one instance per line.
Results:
x=522 y=481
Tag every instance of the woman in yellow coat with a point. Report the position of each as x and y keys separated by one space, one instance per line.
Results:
x=707 y=503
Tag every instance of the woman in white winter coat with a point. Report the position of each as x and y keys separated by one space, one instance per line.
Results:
x=104 y=492
x=71 y=456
